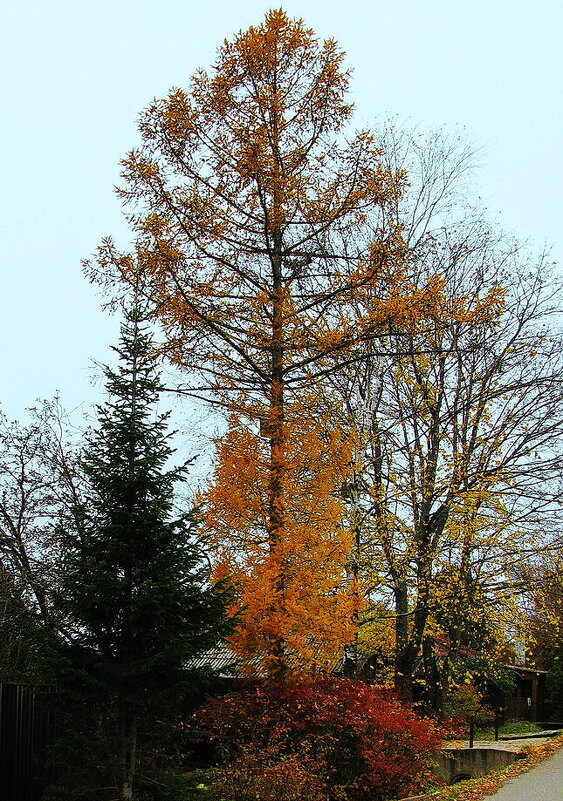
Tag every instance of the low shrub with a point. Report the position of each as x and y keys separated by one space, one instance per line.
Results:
x=343 y=741
x=268 y=775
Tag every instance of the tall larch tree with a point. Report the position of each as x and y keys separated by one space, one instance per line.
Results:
x=259 y=220
x=133 y=585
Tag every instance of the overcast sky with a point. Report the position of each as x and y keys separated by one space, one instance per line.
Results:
x=76 y=74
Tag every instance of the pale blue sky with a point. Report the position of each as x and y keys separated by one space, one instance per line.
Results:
x=75 y=75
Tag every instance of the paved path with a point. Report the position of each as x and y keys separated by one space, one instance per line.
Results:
x=542 y=783
x=505 y=745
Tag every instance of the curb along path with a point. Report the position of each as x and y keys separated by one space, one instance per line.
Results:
x=544 y=782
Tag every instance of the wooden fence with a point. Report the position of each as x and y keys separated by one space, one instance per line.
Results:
x=27 y=726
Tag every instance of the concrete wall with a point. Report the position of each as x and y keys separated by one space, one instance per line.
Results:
x=468 y=763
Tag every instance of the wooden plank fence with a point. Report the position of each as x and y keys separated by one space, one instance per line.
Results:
x=27 y=726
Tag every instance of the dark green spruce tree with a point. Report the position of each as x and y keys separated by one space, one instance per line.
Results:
x=133 y=587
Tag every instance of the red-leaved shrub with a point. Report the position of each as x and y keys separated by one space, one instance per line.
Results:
x=358 y=743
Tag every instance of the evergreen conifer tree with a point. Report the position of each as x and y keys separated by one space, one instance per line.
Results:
x=133 y=589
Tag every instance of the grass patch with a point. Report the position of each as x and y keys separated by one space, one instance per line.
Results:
x=194 y=786
x=510 y=727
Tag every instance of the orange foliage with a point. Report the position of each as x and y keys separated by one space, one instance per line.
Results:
x=293 y=589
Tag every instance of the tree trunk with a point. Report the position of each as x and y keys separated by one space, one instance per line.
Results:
x=277 y=663
x=433 y=675
x=403 y=660
x=128 y=755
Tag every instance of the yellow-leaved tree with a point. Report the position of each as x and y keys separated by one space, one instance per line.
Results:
x=458 y=430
